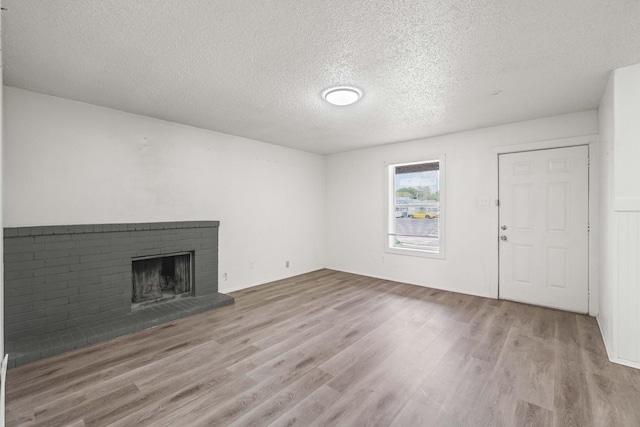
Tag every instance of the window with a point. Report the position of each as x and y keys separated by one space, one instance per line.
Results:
x=416 y=208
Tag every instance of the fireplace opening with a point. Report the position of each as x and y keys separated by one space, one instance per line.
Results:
x=161 y=278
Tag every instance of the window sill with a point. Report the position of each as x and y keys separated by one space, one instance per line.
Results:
x=416 y=253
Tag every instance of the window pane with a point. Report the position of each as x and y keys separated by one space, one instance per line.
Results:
x=417 y=184
x=416 y=207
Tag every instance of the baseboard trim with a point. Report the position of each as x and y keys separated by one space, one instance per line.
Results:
x=612 y=359
x=411 y=282
x=274 y=279
x=606 y=345
x=629 y=363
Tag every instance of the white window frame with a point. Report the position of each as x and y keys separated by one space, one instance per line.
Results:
x=390 y=207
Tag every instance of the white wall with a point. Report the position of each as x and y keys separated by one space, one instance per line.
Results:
x=627 y=137
x=68 y=162
x=356 y=205
x=1 y=220
x=620 y=215
x=607 y=227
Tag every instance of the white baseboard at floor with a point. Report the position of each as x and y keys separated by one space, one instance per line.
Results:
x=410 y=282
x=3 y=379
x=619 y=361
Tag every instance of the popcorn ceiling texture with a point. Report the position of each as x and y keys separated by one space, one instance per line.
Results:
x=256 y=69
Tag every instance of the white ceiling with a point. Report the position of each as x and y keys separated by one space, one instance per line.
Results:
x=257 y=68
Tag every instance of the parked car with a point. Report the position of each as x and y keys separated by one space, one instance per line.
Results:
x=423 y=215
x=401 y=212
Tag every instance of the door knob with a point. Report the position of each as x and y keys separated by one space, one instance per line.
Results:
x=503 y=227
x=503 y=238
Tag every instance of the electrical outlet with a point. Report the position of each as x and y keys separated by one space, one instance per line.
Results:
x=286 y=264
x=251 y=264
x=224 y=277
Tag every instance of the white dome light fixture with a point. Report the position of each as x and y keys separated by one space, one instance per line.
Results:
x=342 y=95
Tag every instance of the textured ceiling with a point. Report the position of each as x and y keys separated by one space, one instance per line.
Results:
x=257 y=68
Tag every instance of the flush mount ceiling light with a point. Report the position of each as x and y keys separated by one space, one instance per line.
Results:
x=342 y=95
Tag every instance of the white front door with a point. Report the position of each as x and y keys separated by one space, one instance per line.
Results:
x=544 y=217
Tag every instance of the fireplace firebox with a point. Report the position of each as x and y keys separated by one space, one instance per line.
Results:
x=160 y=278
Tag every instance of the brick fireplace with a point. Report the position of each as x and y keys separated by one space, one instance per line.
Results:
x=75 y=285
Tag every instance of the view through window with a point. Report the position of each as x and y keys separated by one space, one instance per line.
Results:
x=415 y=206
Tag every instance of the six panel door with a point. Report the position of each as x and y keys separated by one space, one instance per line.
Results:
x=544 y=217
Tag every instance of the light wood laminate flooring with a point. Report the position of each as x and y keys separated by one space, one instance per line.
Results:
x=331 y=348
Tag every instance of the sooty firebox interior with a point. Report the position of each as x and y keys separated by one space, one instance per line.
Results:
x=157 y=279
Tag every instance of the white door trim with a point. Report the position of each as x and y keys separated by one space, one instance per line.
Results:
x=593 y=142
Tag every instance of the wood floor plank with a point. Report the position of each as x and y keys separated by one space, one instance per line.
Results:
x=537 y=372
x=481 y=321
x=496 y=402
x=521 y=316
x=571 y=393
x=441 y=382
x=459 y=405
x=529 y=415
x=491 y=344
x=189 y=410
x=77 y=413
x=329 y=349
x=383 y=404
x=178 y=399
x=309 y=409
x=279 y=346
x=185 y=384
x=110 y=379
x=418 y=412
x=286 y=399
x=544 y=324
x=280 y=375
x=378 y=343
x=342 y=409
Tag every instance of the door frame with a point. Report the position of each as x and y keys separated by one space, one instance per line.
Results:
x=592 y=141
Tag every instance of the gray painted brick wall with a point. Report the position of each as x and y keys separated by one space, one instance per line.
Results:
x=60 y=277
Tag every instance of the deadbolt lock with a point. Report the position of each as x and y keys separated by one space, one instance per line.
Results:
x=503 y=227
